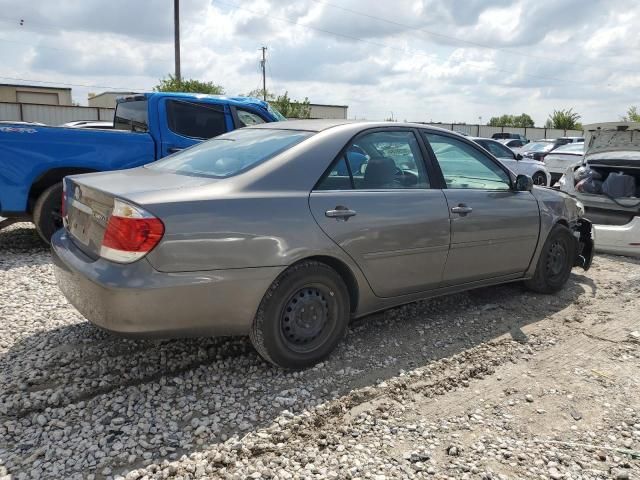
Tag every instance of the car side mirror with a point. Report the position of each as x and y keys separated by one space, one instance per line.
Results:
x=518 y=156
x=524 y=183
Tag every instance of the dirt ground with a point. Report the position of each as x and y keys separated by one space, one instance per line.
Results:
x=493 y=383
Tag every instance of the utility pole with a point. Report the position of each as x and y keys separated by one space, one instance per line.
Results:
x=176 y=37
x=263 y=64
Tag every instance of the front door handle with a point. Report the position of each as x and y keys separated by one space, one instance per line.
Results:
x=174 y=149
x=461 y=209
x=340 y=212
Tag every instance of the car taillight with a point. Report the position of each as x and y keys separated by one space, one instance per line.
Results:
x=131 y=233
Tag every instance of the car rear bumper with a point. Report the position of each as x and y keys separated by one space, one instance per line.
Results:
x=585 y=237
x=137 y=300
x=619 y=239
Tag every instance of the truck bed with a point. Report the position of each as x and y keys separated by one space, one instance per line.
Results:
x=28 y=152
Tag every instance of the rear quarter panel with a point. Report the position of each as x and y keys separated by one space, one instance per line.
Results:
x=29 y=152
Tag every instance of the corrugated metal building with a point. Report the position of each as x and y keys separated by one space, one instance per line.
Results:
x=35 y=94
x=328 y=111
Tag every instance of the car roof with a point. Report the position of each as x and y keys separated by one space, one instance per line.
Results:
x=325 y=124
x=236 y=101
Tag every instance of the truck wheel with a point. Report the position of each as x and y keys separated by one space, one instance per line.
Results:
x=555 y=262
x=47 y=214
x=302 y=317
x=539 y=178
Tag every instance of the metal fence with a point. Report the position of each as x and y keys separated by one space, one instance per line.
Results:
x=59 y=114
x=532 y=133
x=52 y=114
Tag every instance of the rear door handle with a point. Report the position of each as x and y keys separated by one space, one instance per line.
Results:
x=174 y=149
x=340 y=212
x=461 y=209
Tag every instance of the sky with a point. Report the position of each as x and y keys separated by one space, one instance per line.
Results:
x=416 y=60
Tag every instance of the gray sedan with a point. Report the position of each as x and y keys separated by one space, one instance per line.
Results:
x=286 y=231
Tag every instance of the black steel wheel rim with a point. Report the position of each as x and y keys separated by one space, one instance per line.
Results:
x=556 y=259
x=306 y=318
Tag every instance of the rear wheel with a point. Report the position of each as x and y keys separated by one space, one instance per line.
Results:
x=302 y=317
x=539 y=178
x=47 y=213
x=555 y=262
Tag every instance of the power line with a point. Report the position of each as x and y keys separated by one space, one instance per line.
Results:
x=72 y=84
x=384 y=45
x=457 y=39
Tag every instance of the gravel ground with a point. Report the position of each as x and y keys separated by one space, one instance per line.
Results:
x=494 y=383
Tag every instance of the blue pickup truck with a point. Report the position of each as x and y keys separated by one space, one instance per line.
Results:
x=34 y=159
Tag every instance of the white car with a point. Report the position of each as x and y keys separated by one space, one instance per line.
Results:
x=515 y=162
x=611 y=150
x=559 y=160
x=99 y=124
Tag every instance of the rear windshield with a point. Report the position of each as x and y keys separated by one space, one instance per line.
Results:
x=231 y=153
x=132 y=116
x=570 y=148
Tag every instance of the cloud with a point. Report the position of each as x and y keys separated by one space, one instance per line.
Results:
x=447 y=60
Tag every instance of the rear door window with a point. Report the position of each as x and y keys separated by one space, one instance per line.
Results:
x=195 y=120
x=379 y=160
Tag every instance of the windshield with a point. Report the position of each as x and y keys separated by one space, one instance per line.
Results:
x=537 y=147
x=231 y=153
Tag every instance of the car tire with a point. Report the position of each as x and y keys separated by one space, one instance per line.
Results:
x=555 y=262
x=539 y=178
x=302 y=317
x=47 y=215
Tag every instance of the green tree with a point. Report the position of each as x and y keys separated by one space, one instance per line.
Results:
x=171 y=84
x=564 y=119
x=522 y=120
x=632 y=115
x=284 y=104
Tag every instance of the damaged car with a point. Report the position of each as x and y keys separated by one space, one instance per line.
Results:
x=607 y=184
x=286 y=231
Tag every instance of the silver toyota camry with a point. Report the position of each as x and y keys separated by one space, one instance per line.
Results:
x=286 y=231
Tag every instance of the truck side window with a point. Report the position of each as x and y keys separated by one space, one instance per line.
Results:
x=195 y=120
x=131 y=115
x=249 y=118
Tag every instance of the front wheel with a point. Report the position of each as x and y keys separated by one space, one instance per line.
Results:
x=302 y=317
x=539 y=178
x=555 y=262
x=47 y=212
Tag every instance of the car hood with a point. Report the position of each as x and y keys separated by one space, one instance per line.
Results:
x=603 y=138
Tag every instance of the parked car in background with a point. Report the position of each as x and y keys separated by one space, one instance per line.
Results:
x=11 y=122
x=507 y=135
x=146 y=127
x=516 y=162
x=563 y=157
x=513 y=143
x=608 y=185
x=565 y=140
x=266 y=231
x=538 y=149
x=88 y=124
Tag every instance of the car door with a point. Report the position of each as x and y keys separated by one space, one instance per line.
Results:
x=494 y=229
x=377 y=203
x=187 y=122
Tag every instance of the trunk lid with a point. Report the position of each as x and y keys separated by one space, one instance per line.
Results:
x=90 y=199
x=609 y=137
